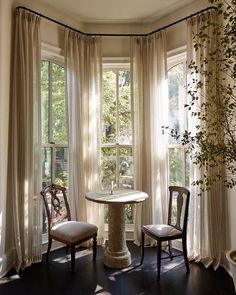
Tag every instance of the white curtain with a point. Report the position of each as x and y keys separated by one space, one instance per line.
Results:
x=206 y=235
x=83 y=61
x=24 y=182
x=148 y=67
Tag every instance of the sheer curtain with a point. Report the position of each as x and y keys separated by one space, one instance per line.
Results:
x=24 y=182
x=148 y=64
x=83 y=63
x=206 y=237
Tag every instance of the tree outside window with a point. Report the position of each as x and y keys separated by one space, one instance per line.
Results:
x=54 y=126
x=116 y=138
x=178 y=158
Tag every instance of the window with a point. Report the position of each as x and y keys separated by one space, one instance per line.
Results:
x=117 y=138
x=54 y=126
x=178 y=159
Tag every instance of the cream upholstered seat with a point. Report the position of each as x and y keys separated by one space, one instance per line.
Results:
x=161 y=230
x=176 y=227
x=60 y=225
x=69 y=231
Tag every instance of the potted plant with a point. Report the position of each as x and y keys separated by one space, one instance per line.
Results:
x=213 y=144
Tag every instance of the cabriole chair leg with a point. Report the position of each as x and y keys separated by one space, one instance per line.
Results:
x=94 y=248
x=73 y=258
x=158 y=260
x=49 y=248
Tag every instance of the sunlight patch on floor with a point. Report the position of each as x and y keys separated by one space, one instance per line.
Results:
x=9 y=279
x=67 y=257
x=100 y=290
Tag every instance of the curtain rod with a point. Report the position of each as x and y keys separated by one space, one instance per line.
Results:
x=114 y=35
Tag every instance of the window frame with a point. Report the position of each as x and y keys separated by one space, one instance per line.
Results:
x=116 y=64
x=174 y=58
x=52 y=55
x=52 y=145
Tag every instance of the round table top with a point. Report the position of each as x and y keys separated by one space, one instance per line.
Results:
x=124 y=196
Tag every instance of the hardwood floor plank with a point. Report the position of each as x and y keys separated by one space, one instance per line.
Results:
x=95 y=278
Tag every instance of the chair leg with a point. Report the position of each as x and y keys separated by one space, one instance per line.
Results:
x=170 y=250
x=142 y=248
x=49 y=248
x=185 y=254
x=94 y=248
x=73 y=258
x=158 y=260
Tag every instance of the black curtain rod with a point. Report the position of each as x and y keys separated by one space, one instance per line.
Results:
x=114 y=35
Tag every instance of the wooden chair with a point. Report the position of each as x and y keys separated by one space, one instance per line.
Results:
x=60 y=225
x=176 y=227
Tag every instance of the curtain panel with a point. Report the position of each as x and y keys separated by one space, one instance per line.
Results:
x=149 y=74
x=83 y=62
x=24 y=220
x=206 y=235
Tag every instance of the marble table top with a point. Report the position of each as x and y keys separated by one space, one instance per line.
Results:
x=124 y=196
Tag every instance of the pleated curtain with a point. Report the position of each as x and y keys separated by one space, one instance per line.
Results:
x=24 y=171
x=206 y=231
x=83 y=62
x=149 y=74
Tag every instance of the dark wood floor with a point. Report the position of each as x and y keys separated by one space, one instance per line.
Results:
x=94 y=278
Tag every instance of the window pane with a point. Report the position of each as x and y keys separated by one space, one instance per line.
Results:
x=108 y=167
x=173 y=219
x=177 y=94
x=59 y=126
x=125 y=121
x=46 y=166
x=44 y=100
x=176 y=167
x=117 y=158
x=129 y=214
x=61 y=167
x=126 y=168
x=187 y=161
x=109 y=107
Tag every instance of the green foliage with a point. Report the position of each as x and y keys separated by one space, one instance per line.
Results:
x=213 y=100
x=56 y=118
x=117 y=161
x=54 y=124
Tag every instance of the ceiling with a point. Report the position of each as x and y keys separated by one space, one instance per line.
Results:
x=116 y=11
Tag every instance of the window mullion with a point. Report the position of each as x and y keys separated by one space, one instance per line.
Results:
x=117 y=129
x=117 y=106
x=50 y=102
x=53 y=163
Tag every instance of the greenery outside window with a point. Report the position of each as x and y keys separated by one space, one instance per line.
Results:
x=177 y=94
x=54 y=126
x=117 y=131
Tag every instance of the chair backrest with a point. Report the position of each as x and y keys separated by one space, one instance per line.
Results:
x=178 y=207
x=56 y=204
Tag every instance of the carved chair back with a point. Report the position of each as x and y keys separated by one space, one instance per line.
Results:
x=56 y=204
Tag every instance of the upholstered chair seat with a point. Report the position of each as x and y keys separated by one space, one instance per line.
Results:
x=72 y=231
